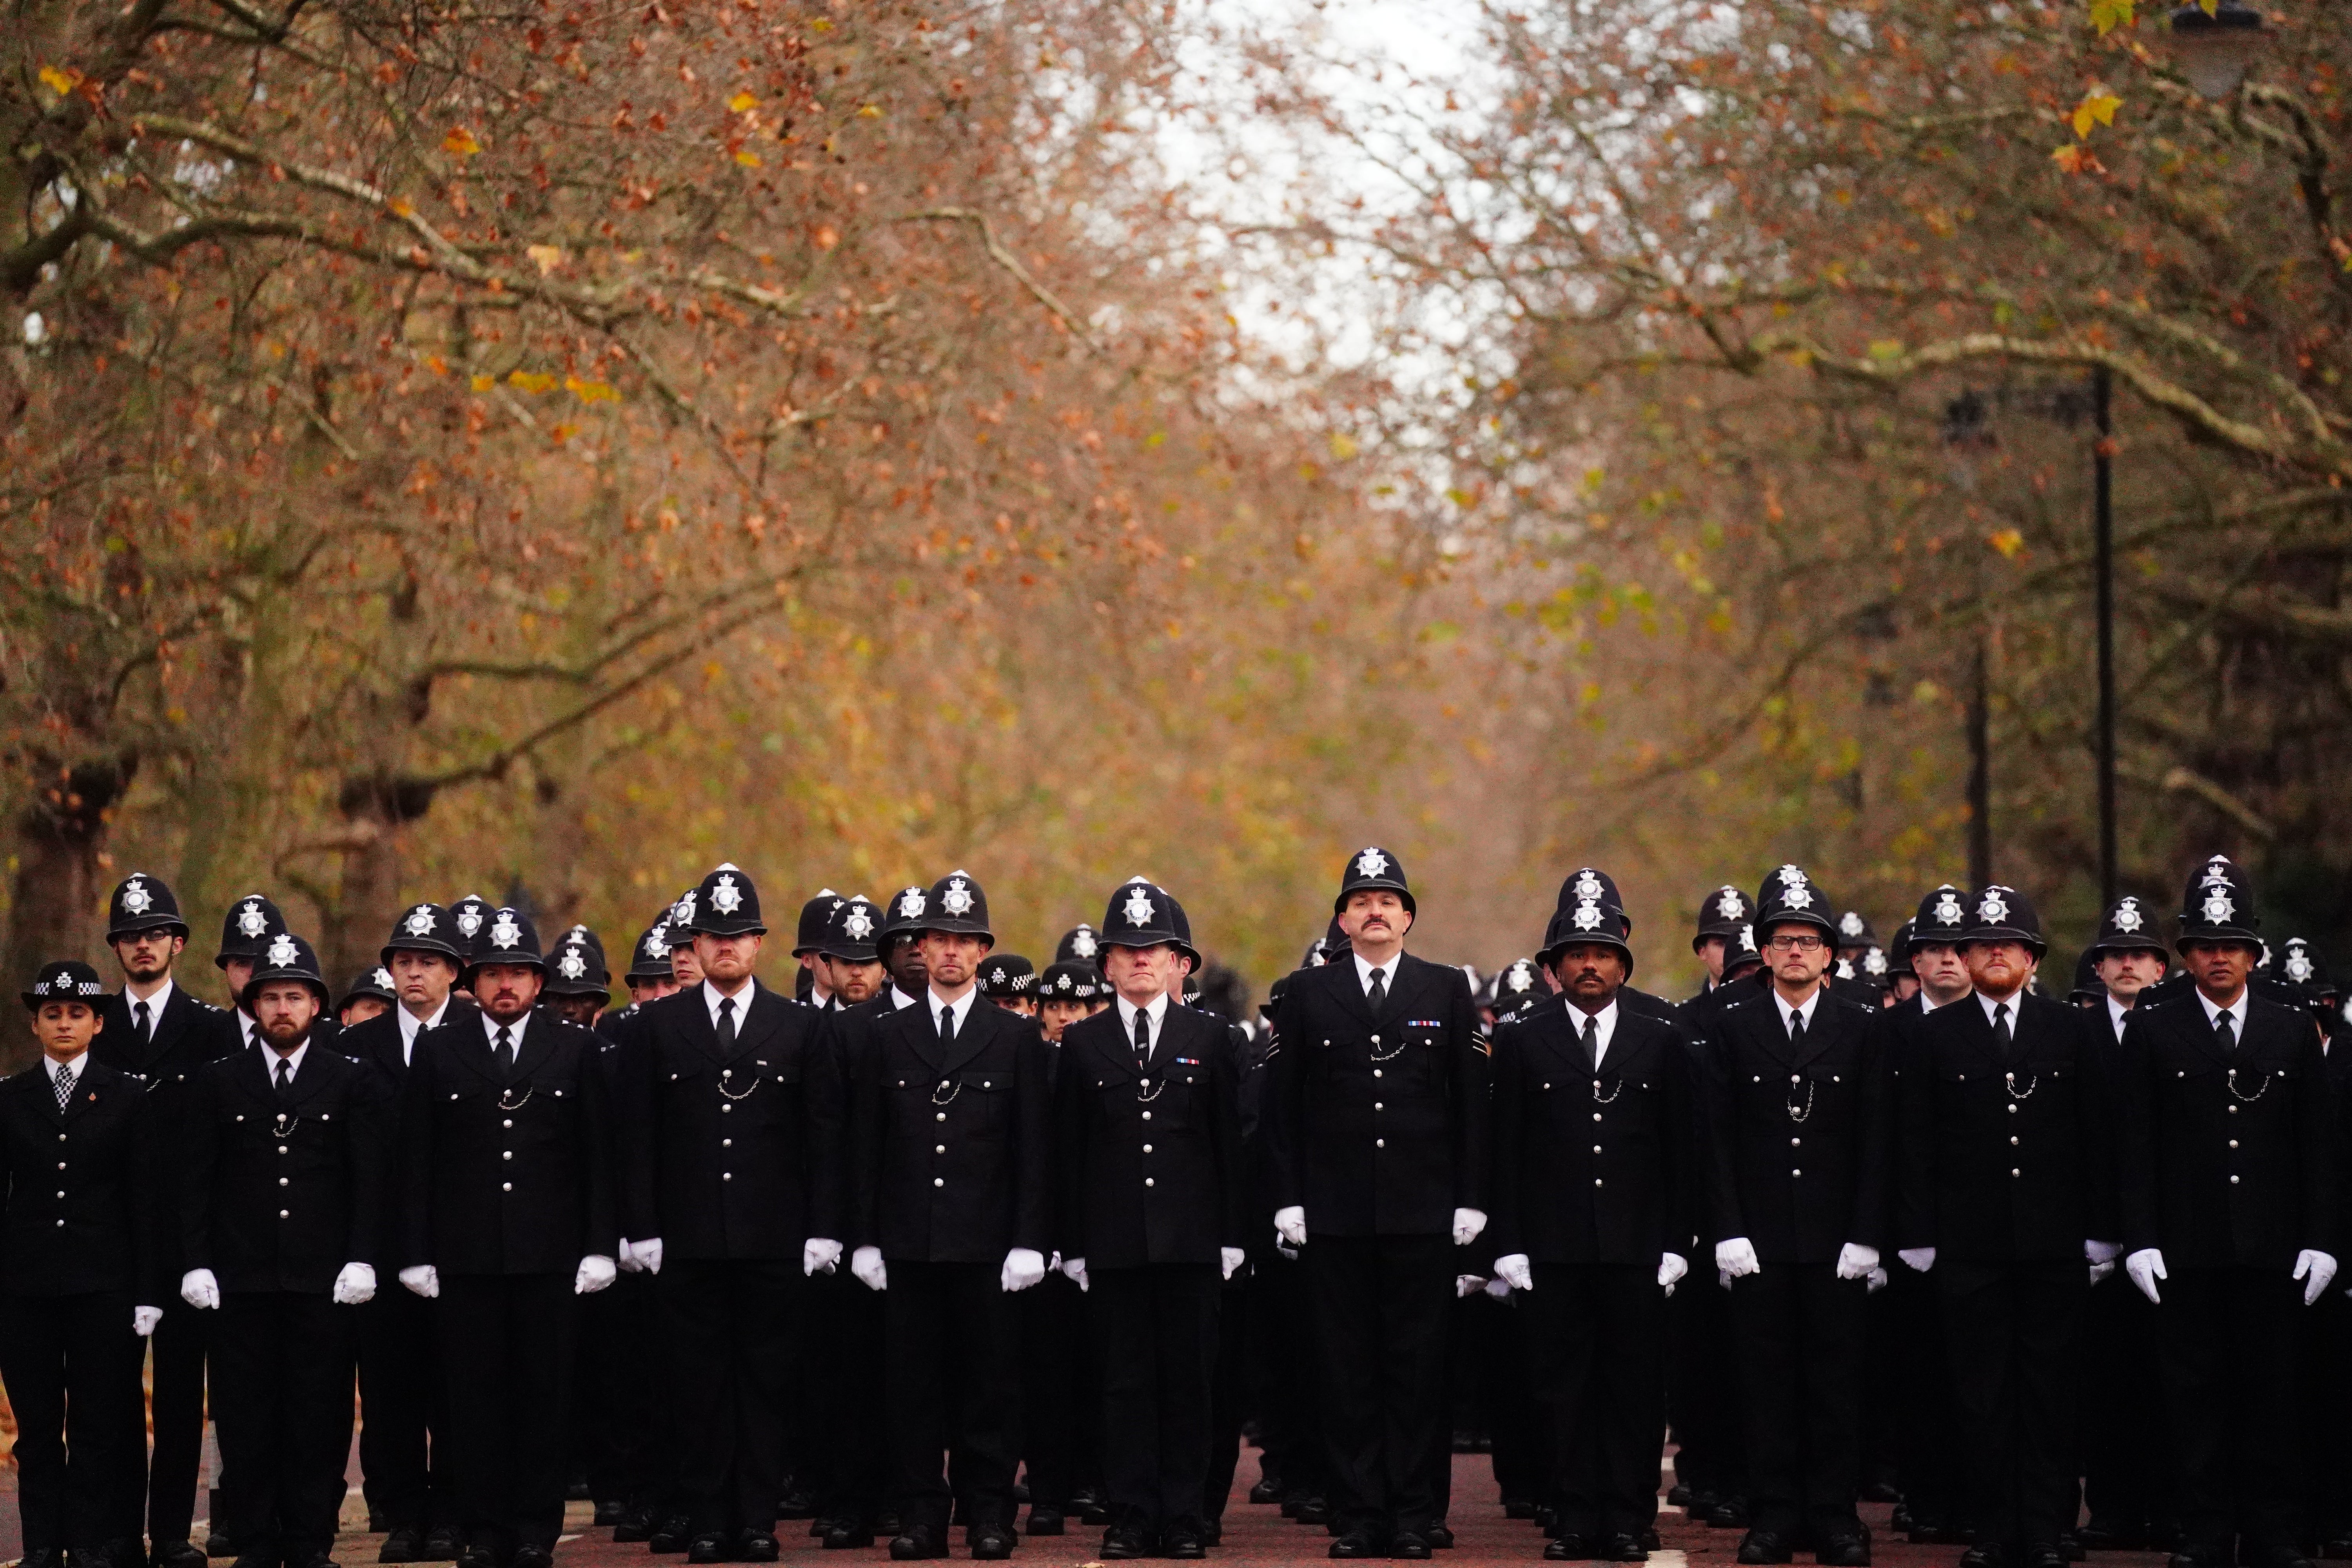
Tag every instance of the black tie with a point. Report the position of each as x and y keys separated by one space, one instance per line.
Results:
x=1142 y=1040
x=726 y=1025
x=2222 y=1035
x=947 y=1028
x=285 y=1077
x=139 y=1021
x=503 y=1052
x=1796 y=1031
x=2002 y=1039
x=1593 y=1043
x=1378 y=991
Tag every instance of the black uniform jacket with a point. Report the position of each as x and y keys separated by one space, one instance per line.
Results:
x=1377 y=1124
x=1630 y=1000
x=951 y=1151
x=78 y=1216
x=189 y=1034
x=735 y=1154
x=2225 y=1163
x=2005 y=1161
x=1151 y=1165
x=280 y=1195
x=1796 y=1141
x=506 y=1176
x=1592 y=1168
x=377 y=1041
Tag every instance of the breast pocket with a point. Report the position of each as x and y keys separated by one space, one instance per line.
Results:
x=987 y=1099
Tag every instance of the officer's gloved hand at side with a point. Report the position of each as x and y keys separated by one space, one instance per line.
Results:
x=199 y=1289
x=1516 y=1271
x=1467 y=1223
x=866 y=1263
x=649 y=1255
x=2101 y=1256
x=424 y=1279
x=144 y=1318
x=1024 y=1267
x=1877 y=1278
x=2315 y=1269
x=1290 y=1224
x=596 y=1272
x=1075 y=1270
x=1855 y=1261
x=2145 y=1267
x=1917 y=1258
x=1736 y=1259
x=819 y=1256
x=1671 y=1267
x=627 y=1259
x=1500 y=1289
x=356 y=1286
x=1233 y=1258
x=1468 y=1285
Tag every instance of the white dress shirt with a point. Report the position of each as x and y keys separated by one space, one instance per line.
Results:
x=410 y=1025
x=490 y=1028
x=1806 y=1011
x=1364 y=971
x=2237 y=1011
x=1607 y=1020
x=1157 y=1013
x=960 y=1006
x=65 y=1072
x=154 y=1005
x=2116 y=1013
x=293 y=1062
x=899 y=999
x=1988 y=1003
x=742 y=1000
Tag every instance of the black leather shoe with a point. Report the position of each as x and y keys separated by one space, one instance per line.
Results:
x=992 y=1542
x=1548 y=1520
x=609 y=1513
x=320 y=1558
x=635 y=1525
x=796 y=1503
x=442 y=1544
x=1765 y=1546
x=1842 y=1549
x=218 y=1545
x=405 y=1544
x=477 y=1557
x=1623 y=1548
x=918 y=1545
x=2070 y=1546
x=533 y=1556
x=1355 y=1543
x=1678 y=1495
x=1439 y=1536
x=82 y=1558
x=847 y=1535
x=1044 y=1520
x=42 y=1557
x=1570 y=1549
x=1731 y=1513
x=708 y=1547
x=1925 y=1530
x=1518 y=1508
x=752 y=1545
x=1315 y=1512
x=1266 y=1491
x=176 y=1554
x=675 y=1534
x=1212 y=1533
x=1409 y=1544
x=1096 y=1513
x=1182 y=1540
x=2043 y=1554
x=1984 y=1557
x=1123 y=1541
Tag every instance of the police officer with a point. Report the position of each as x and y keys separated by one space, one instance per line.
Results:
x=157 y=1031
x=2229 y=1202
x=733 y=1124
x=246 y=930
x=952 y=1165
x=1797 y=1125
x=2005 y=1190
x=1376 y=1119
x=402 y=1468
x=1152 y=1218
x=76 y=1261
x=1006 y=979
x=849 y=970
x=1592 y=883
x=650 y=977
x=1066 y=992
x=370 y=994
x=579 y=988
x=1594 y=1203
x=808 y=939
x=507 y=1214
x=287 y=1151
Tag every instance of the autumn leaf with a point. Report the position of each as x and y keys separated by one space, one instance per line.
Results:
x=2077 y=159
x=2008 y=541
x=530 y=381
x=484 y=382
x=460 y=141
x=591 y=392
x=2106 y=15
x=870 y=111
x=748 y=158
x=2098 y=108
x=1343 y=446
x=548 y=257
x=826 y=237
x=741 y=101
x=1886 y=348
x=60 y=82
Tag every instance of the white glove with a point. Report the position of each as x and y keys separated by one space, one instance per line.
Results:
x=144 y=1318
x=425 y=1280
x=1855 y=1261
x=1877 y=1278
x=596 y=1272
x=1075 y=1270
x=628 y=1257
x=1233 y=1258
x=1024 y=1267
x=1736 y=1257
x=866 y=1263
x=2319 y=1268
x=649 y=1255
x=819 y=1256
x=1516 y=1271
x=1290 y=1224
x=356 y=1286
x=2101 y=1256
x=2145 y=1267
x=1919 y=1259
x=1671 y=1267
x=1286 y=1250
x=199 y=1289
x=1500 y=1289
x=1467 y=1223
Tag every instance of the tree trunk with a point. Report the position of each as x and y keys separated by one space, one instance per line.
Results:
x=59 y=884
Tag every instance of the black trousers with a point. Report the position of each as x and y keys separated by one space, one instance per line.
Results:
x=734 y=1328
x=1521 y=1441
x=1799 y=1327
x=1156 y=1333
x=1288 y=1376
x=2326 y=1384
x=630 y=1454
x=2011 y=1332
x=1596 y=1344
x=952 y=1352
x=506 y=1343
x=281 y=1384
x=177 y=1392
x=1229 y=1395
x=1378 y=1307
x=2228 y=1340
x=1051 y=1349
x=849 y=1387
x=400 y=1407
x=1704 y=1398
x=70 y=1367
x=1920 y=1389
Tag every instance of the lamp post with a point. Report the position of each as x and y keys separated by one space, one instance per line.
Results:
x=1968 y=432
x=2103 y=530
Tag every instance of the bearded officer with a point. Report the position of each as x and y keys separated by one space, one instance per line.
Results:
x=1152 y=1220
x=1376 y=1119
x=1591 y=884
x=1797 y=1122
x=1595 y=1215
x=2005 y=1191
x=2228 y=1179
x=158 y=1031
x=77 y=1261
x=408 y=1492
x=732 y=1125
x=952 y=1169
x=506 y=1216
x=849 y=971
x=287 y=1161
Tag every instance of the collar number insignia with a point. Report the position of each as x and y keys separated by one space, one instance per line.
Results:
x=957 y=900
x=505 y=933
x=857 y=925
x=419 y=920
x=725 y=898
x=136 y=899
x=282 y=952
x=250 y=921
x=1138 y=908
x=1371 y=863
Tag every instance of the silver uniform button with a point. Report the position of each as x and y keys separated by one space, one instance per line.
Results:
x=937 y=1182
x=1147 y=1148
x=1147 y=1116
x=1379 y=1142
x=2233 y=1181
x=506 y=1186
x=1147 y=1181
x=726 y=1175
x=726 y=1142
x=282 y=1213
x=282 y=1181
x=939 y=1148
